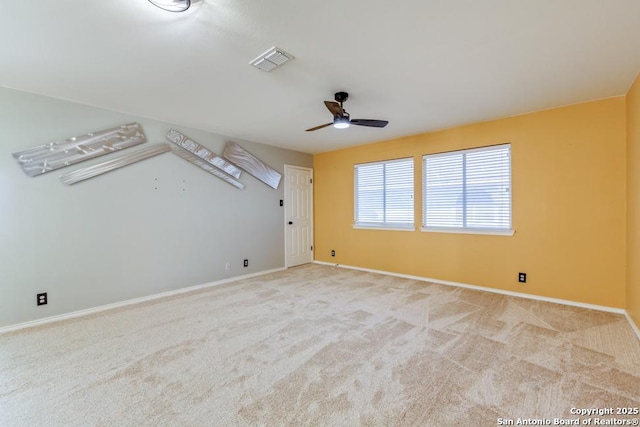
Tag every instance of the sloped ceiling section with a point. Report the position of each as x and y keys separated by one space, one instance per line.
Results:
x=422 y=65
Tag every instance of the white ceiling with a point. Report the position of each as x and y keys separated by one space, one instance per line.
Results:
x=421 y=64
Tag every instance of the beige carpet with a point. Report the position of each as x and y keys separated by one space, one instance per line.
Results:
x=318 y=345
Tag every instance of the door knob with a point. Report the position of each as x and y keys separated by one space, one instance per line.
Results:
x=290 y=222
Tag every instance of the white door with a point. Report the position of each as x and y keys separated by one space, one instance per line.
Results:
x=298 y=218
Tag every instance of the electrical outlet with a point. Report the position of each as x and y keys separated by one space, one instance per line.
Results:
x=246 y=263
x=227 y=266
x=41 y=299
x=333 y=253
x=522 y=277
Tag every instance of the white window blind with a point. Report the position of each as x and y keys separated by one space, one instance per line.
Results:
x=468 y=190
x=384 y=194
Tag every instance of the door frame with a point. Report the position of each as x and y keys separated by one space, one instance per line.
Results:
x=287 y=168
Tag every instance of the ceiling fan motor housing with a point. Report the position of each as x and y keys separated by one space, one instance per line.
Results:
x=341 y=97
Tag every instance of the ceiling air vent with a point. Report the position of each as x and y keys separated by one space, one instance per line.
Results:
x=271 y=59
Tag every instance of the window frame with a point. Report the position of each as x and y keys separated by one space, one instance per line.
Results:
x=508 y=231
x=385 y=225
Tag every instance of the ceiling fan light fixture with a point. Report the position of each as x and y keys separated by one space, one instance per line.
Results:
x=341 y=123
x=172 y=5
x=342 y=119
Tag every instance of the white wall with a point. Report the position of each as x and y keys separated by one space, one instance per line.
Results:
x=154 y=226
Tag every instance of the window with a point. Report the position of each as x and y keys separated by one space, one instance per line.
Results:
x=384 y=194
x=468 y=191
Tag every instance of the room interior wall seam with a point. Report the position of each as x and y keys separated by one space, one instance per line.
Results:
x=626 y=92
x=632 y=288
x=128 y=113
x=632 y=323
x=486 y=289
x=130 y=302
x=461 y=125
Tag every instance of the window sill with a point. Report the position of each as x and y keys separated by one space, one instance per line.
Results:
x=468 y=231
x=373 y=227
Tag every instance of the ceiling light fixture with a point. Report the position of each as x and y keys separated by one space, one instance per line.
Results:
x=172 y=5
x=341 y=123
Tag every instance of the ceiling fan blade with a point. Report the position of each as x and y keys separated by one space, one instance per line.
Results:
x=370 y=123
x=335 y=108
x=318 y=127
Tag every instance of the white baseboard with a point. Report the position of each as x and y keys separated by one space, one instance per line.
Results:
x=86 y=312
x=482 y=288
x=106 y=307
x=632 y=323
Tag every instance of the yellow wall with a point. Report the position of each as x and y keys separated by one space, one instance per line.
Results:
x=633 y=202
x=568 y=179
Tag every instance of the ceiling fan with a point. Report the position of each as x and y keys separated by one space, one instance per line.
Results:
x=341 y=118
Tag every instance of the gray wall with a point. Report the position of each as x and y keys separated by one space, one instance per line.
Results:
x=151 y=227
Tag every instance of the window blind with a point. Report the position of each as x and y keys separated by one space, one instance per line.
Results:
x=469 y=189
x=384 y=194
